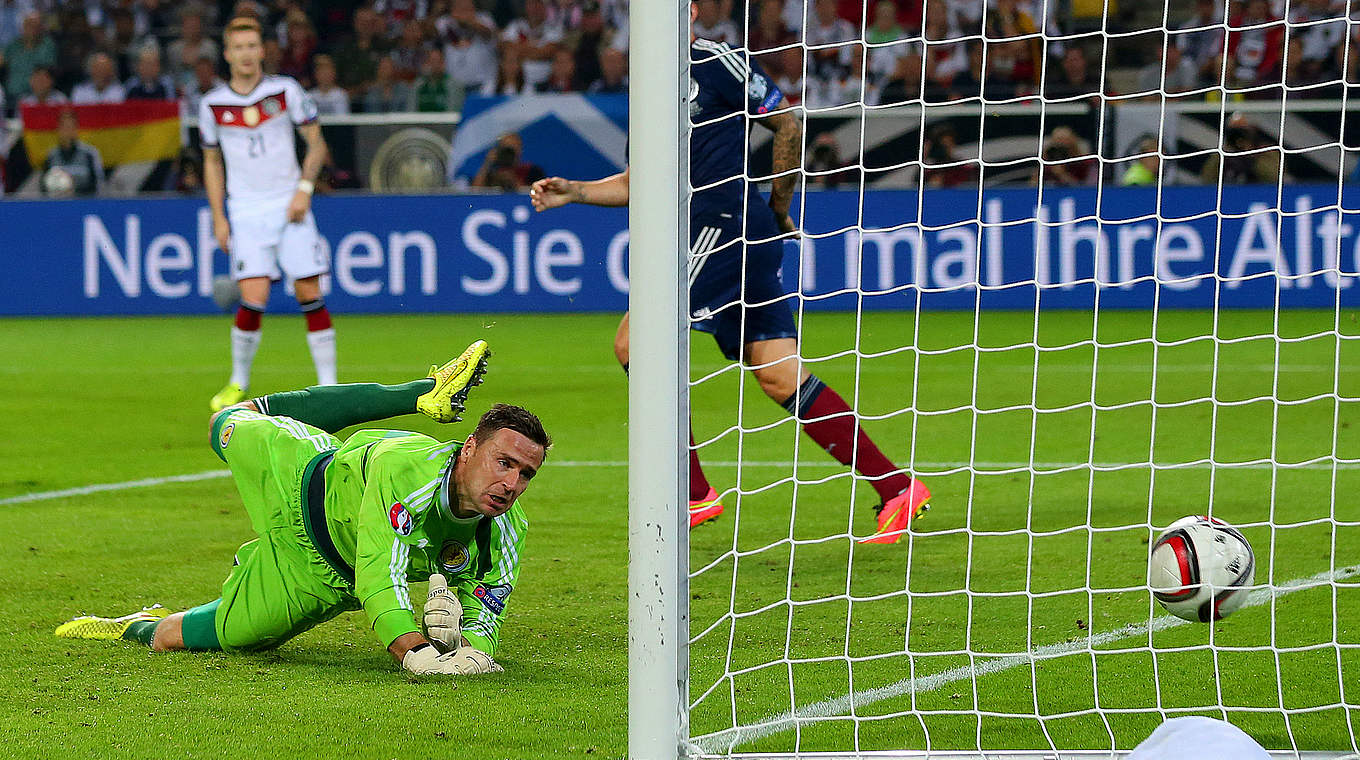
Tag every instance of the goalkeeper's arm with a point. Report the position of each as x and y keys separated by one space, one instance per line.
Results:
x=555 y=191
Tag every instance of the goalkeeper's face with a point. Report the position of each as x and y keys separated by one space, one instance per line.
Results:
x=489 y=475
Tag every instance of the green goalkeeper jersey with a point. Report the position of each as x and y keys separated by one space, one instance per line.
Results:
x=389 y=517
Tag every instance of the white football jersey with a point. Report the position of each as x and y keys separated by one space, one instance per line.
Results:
x=255 y=133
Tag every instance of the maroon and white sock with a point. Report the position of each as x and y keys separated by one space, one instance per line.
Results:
x=321 y=340
x=829 y=421
x=245 y=341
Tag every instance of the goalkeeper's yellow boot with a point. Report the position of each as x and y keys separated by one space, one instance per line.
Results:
x=895 y=515
x=232 y=394
x=705 y=509
x=108 y=629
x=444 y=402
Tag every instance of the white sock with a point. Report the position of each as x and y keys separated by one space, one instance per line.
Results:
x=244 y=344
x=322 y=343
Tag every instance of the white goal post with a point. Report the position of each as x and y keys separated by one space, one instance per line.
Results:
x=1077 y=316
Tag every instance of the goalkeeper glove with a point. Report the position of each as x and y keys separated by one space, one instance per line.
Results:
x=425 y=660
x=443 y=617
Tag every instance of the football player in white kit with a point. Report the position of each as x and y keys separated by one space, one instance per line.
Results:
x=261 y=208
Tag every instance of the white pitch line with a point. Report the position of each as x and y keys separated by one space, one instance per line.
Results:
x=729 y=739
x=920 y=468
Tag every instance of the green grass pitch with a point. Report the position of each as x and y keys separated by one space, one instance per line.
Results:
x=114 y=400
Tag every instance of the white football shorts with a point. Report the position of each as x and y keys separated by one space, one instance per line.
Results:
x=263 y=242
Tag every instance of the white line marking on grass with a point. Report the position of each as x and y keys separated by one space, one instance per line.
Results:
x=921 y=468
x=98 y=487
x=729 y=739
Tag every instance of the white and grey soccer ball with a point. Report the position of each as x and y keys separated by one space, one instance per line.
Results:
x=226 y=292
x=58 y=183
x=1200 y=569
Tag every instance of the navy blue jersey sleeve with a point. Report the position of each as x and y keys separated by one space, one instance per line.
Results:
x=762 y=94
x=739 y=81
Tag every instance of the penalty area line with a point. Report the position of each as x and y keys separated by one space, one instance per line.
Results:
x=729 y=739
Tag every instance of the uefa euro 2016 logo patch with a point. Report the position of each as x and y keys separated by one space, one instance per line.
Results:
x=453 y=557
x=225 y=435
x=401 y=520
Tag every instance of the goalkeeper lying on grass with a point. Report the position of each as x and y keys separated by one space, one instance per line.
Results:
x=344 y=526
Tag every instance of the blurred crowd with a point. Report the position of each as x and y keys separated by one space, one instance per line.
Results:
x=427 y=55
x=387 y=56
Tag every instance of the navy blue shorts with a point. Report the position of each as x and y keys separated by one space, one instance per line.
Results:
x=720 y=287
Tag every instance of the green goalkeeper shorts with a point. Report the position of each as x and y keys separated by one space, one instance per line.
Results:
x=280 y=585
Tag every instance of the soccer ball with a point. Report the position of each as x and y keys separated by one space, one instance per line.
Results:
x=58 y=182
x=1199 y=567
x=226 y=292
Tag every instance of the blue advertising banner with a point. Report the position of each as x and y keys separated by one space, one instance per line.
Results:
x=945 y=249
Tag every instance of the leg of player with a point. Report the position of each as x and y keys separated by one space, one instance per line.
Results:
x=320 y=332
x=440 y=396
x=153 y=626
x=245 y=340
x=703 y=497
x=829 y=421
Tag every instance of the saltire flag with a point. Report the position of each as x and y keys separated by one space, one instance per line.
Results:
x=138 y=130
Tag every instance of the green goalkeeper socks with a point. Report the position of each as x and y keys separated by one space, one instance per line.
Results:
x=141 y=631
x=335 y=407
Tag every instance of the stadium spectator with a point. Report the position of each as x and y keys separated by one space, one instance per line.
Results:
x=1169 y=72
x=388 y=94
x=1200 y=40
x=712 y=24
x=562 y=76
x=791 y=81
x=768 y=33
x=533 y=40
x=588 y=41
x=1319 y=32
x=42 y=90
x=469 y=38
x=505 y=169
x=31 y=49
x=1074 y=78
x=842 y=90
x=509 y=76
x=149 y=83
x=395 y=12
x=183 y=55
x=904 y=85
x=11 y=19
x=125 y=43
x=1255 y=48
x=613 y=73
x=1067 y=159
x=946 y=54
x=409 y=52
x=941 y=164
x=273 y=57
x=1145 y=168
x=884 y=28
x=205 y=79
x=1248 y=157
x=435 y=91
x=828 y=61
x=825 y=167
x=102 y=86
x=358 y=56
x=76 y=42
x=330 y=98
x=78 y=161
x=976 y=82
x=1014 y=45
x=187 y=178
x=154 y=19
x=299 y=47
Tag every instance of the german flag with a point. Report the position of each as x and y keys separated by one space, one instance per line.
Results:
x=138 y=130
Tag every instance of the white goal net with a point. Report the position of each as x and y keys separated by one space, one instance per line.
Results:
x=1083 y=269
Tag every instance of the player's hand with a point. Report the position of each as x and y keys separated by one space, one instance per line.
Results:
x=443 y=618
x=785 y=222
x=222 y=232
x=297 y=208
x=550 y=193
x=426 y=661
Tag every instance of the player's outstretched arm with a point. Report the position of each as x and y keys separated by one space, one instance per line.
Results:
x=786 y=151
x=556 y=191
x=215 y=182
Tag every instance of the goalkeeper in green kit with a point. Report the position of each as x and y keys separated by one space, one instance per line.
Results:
x=346 y=526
